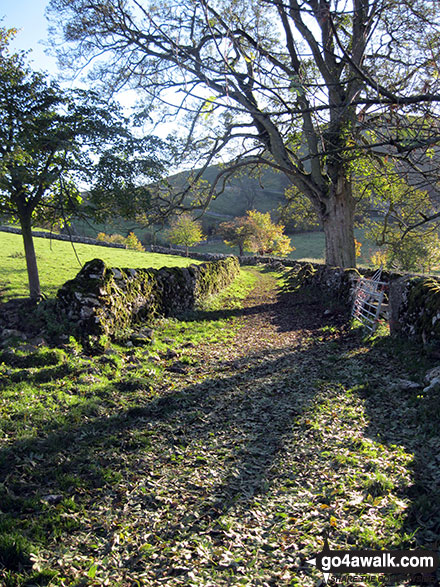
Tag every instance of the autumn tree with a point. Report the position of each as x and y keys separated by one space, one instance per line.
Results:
x=52 y=142
x=186 y=231
x=256 y=233
x=295 y=85
x=235 y=233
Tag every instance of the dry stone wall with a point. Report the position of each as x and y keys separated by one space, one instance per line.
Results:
x=414 y=301
x=64 y=237
x=103 y=301
x=415 y=308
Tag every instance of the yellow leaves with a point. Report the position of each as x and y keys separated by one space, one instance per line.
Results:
x=208 y=106
x=185 y=231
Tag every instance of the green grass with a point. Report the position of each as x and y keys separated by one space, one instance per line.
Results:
x=187 y=461
x=58 y=263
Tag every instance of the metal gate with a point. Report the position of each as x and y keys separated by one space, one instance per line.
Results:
x=369 y=301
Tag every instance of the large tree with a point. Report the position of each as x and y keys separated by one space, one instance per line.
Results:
x=54 y=142
x=294 y=84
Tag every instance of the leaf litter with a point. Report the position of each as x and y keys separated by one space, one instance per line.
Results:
x=282 y=426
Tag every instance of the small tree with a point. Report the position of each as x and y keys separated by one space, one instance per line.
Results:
x=185 y=231
x=132 y=242
x=256 y=233
x=235 y=233
x=50 y=141
x=266 y=237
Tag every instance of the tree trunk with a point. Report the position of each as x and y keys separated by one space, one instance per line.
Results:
x=338 y=223
x=31 y=259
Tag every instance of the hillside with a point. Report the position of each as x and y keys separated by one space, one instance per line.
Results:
x=264 y=194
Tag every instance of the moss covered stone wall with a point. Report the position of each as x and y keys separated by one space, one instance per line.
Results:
x=415 y=308
x=102 y=301
x=414 y=301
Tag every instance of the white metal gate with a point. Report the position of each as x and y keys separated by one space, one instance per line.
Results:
x=369 y=304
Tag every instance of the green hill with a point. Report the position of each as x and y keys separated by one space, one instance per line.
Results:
x=264 y=194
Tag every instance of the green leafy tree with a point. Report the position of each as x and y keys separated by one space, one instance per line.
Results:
x=297 y=212
x=236 y=233
x=185 y=231
x=394 y=217
x=51 y=141
x=295 y=85
x=132 y=242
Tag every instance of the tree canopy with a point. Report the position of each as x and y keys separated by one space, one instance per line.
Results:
x=256 y=233
x=304 y=86
x=54 y=142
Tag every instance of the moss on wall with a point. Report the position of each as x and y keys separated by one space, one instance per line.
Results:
x=420 y=312
x=102 y=301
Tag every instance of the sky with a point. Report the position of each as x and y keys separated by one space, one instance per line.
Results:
x=28 y=16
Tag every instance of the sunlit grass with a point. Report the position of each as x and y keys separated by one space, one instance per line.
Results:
x=59 y=261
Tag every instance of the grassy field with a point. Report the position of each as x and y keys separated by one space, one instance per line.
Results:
x=57 y=262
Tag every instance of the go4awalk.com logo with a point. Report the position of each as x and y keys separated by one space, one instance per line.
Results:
x=393 y=562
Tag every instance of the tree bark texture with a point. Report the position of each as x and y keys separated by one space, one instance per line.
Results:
x=338 y=221
x=31 y=259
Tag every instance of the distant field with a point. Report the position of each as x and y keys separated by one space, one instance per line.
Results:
x=57 y=262
x=308 y=245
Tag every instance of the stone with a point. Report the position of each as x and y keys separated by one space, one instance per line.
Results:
x=405 y=385
x=12 y=333
x=170 y=354
x=117 y=274
x=146 y=332
x=432 y=374
x=142 y=337
x=53 y=499
x=86 y=312
x=27 y=348
x=40 y=341
x=177 y=367
x=433 y=386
